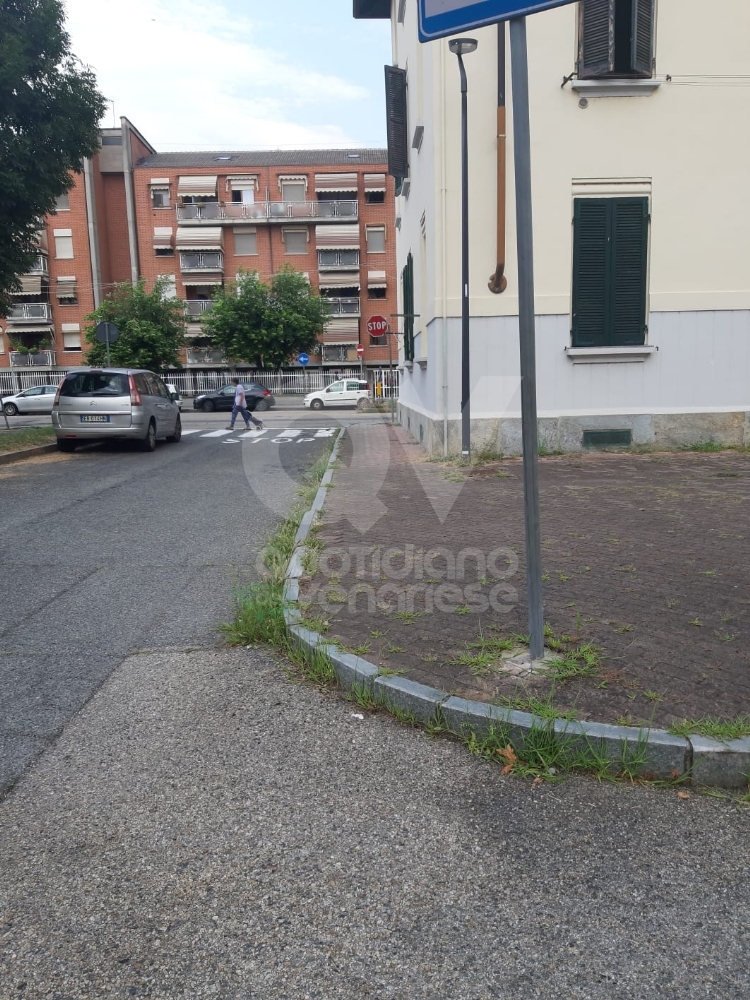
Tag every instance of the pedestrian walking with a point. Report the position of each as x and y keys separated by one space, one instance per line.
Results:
x=240 y=406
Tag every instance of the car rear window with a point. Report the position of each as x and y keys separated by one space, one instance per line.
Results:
x=95 y=384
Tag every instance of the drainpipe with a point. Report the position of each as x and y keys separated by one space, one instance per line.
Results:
x=127 y=167
x=93 y=229
x=498 y=282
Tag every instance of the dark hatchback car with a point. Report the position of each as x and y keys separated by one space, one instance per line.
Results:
x=257 y=396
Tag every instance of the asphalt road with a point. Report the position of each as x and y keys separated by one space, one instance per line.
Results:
x=110 y=550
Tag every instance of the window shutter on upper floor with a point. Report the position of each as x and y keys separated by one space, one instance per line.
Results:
x=629 y=257
x=596 y=35
x=396 y=121
x=643 y=37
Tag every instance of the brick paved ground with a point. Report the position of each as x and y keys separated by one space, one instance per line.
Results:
x=645 y=556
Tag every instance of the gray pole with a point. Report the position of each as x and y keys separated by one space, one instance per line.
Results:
x=465 y=362
x=107 y=345
x=524 y=230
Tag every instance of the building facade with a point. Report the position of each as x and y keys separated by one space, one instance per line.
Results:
x=198 y=220
x=641 y=225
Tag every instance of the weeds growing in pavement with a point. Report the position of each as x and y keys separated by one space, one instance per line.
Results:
x=363 y=697
x=719 y=729
x=545 y=708
x=707 y=446
x=408 y=617
x=437 y=724
x=401 y=714
x=315 y=623
x=582 y=661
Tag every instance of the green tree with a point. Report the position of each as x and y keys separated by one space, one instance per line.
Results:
x=50 y=110
x=266 y=325
x=151 y=328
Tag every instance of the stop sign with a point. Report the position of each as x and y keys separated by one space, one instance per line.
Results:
x=360 y=350
x=377 y=326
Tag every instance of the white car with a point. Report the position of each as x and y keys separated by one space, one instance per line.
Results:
x=38 y=399
x=346 y=392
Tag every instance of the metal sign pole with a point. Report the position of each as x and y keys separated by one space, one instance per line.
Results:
x=107 y=344
x=525 y=242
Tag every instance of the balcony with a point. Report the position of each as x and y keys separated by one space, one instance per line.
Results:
x=343 y=306
x=205 y=356
x=30 y=312
x=195 y=308
x=338 y=260
x=268 y=211
x=39 y=266
x=209 y=261
x=32 y=359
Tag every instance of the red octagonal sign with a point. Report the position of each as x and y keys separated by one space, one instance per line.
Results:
x=377 y=326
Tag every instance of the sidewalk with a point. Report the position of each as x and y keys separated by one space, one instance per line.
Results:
x=645 y=559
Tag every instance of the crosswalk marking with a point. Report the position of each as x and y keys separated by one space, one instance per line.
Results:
x=216 y=434
x=279 y=436
x=195 y=430
x=290 y=433
x=252 y=435
x=325 y=432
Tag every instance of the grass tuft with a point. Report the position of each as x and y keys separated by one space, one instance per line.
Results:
x=718 y=728
x=18 y=438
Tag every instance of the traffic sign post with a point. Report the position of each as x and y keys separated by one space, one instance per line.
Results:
x=438 y=19
x=106 y=333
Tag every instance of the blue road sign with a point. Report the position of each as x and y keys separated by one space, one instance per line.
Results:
x=438 y=18
x=303 y=359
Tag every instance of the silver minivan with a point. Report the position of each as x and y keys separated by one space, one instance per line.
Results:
x=95 y=404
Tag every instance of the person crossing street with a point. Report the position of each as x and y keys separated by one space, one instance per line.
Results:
x=240 y=406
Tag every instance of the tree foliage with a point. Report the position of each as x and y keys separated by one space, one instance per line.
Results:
x=267 y=324
x=50 y=110
x=151 y=328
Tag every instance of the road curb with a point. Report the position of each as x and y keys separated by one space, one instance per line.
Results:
x=15 y=456
x=695 y=760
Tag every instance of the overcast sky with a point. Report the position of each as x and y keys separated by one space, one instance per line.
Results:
x=237 y=74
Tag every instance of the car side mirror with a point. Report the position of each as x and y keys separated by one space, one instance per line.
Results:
x=174 y=396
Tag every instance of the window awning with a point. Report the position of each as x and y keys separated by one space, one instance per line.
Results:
x=203 y=238
x=195 y=187
x=374 y=182
x=31 y=284
x=293 y=179
x=245 y=182
x=376 y=279
x=162 y=237
x=40 y=328
x=70 y=327
x=66 y=287
x=337 y=237
x=159 y=182
x=344 y=326
x=196 y=282
x=336 y=182
x=328 y=279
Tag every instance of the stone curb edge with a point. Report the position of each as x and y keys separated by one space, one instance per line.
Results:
x=698 y=759
x=15 y=456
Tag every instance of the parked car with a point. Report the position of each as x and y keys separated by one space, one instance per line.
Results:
x=346 y=392
x=257 y=396
x=174 y=393
x=38 y=399
x=100 y=403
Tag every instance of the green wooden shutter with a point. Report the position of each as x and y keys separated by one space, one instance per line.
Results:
x=407 y=277
x=590 y=272
x=596 y=38
x=396 y=121
x=628 y=269
x=642 y=57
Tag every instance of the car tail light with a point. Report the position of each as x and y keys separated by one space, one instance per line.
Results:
x=135 y=396
x=266 y=392
x=57 y=394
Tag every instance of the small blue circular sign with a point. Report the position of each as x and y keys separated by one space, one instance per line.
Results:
x=303 y=359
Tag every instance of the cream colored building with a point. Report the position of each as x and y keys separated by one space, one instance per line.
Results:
x=641 y=185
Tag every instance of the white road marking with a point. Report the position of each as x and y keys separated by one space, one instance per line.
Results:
x=326 y=432
x=194 y=431
x=252 y=435
x=290 y=433
x=216 y=434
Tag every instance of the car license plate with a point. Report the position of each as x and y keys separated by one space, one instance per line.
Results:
x=99 y=418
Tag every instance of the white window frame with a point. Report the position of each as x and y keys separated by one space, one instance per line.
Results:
x=63 y=241
x=374 y=229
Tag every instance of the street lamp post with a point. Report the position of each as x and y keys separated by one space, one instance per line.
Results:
x=461 y=47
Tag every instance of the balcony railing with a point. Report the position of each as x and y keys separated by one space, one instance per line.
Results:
x=32 y=359
x=204 y=356
x=333 y=260
x=343 y=306
x=202 y=261
x=267 y=211
x=196 y=307
x=39 y=266
x=30 y=312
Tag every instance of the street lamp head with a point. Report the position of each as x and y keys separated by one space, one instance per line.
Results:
x=462 y=46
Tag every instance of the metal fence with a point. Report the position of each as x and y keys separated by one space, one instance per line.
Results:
x=384 y=382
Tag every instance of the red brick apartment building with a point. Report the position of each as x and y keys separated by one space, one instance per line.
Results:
x=199 y=219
